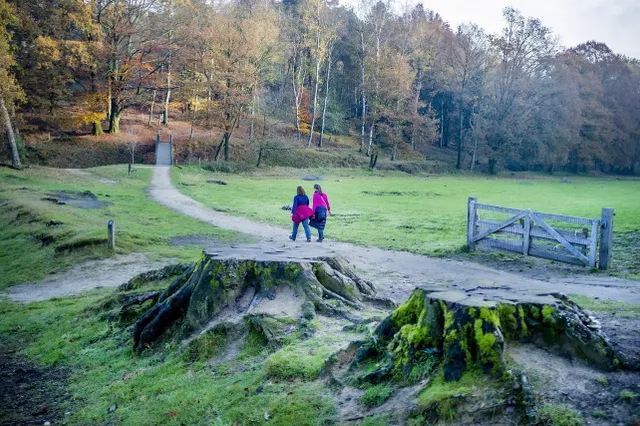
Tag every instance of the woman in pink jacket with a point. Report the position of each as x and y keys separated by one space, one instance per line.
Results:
x=321 y=209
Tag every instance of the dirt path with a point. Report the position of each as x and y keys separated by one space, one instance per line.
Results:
x=395 y=273
x=89 y=275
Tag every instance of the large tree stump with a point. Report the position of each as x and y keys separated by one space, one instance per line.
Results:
x=218 y=289
x=466 y=332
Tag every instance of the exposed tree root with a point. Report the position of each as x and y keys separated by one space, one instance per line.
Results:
x=212 y=285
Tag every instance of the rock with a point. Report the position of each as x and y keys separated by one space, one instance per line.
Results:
x=113 y=408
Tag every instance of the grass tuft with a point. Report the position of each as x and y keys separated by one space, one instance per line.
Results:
x=376 y=395
x=558 y=415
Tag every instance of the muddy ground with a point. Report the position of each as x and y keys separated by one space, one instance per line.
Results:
x=30 y=394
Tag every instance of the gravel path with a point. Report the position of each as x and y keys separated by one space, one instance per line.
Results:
x=396 y=273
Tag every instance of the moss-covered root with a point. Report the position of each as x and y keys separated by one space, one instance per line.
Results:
x=201 y=293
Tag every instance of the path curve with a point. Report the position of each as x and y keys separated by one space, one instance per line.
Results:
x=394 y=273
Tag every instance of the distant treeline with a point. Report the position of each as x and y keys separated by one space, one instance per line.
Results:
x=398 y=81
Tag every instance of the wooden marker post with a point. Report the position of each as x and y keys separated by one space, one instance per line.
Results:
x=111 y=234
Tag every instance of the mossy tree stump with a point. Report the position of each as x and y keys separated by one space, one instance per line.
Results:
x=215 y=287
x=467 y=332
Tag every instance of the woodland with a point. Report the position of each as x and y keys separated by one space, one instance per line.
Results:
x=394 y=82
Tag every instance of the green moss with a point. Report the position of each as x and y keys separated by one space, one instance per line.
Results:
x=410 y=311
x=292 y=271
x=524 y=330
x=599 y=414
x=534 y=312
x=508 y=320
x=443 y=396
x=299 y=361
x=558 y=415
x=490 y=315
x=376 y=395
x=548 y=315
x=487 y=352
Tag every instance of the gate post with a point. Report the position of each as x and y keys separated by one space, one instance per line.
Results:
x=606 y=237
x=157 y=143
x=471 y=222
x=171 y=150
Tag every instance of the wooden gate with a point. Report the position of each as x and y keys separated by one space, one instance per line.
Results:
x=552 y=236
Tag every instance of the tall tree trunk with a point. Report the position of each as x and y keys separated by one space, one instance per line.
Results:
x=315 y=91
x=114 y=118
x=96 y=128
x=460 y=137
x=370 y=140
x=298 y=87
x=364 y=98
x=326 y=96
x=153 y=104
x=441 y=123
x=109 y=96
x=165 y=114
x=15 y=156
x=253 y=113
x=416 y=102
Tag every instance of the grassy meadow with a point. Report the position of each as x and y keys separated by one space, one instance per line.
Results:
x=39 y=237
x=423 y=214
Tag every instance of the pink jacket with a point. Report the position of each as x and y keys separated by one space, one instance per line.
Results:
x=302 y=212
x=320 y=201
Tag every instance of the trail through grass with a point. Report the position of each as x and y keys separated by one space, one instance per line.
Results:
x=39 y=237
x=423 y=214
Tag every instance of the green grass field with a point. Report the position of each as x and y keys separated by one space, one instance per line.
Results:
x=162 y=387
x=33 y=245
x=423 y=214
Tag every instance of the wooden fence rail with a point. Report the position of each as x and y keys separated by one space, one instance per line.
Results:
x=541 y=234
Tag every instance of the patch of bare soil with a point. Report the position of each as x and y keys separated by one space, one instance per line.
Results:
x=83 y=200
x=595 y=394
x=30 y=394
x=109 y=272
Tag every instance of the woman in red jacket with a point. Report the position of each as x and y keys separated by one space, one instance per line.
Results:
x=301 y=214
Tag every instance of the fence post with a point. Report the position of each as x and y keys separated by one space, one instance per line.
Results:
x=471 y=222
x=593 y=242
x=111 y=234
x=606 y=237
x=157 y=143
x=526 y=235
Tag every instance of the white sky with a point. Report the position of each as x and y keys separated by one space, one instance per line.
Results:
x=614 y=22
